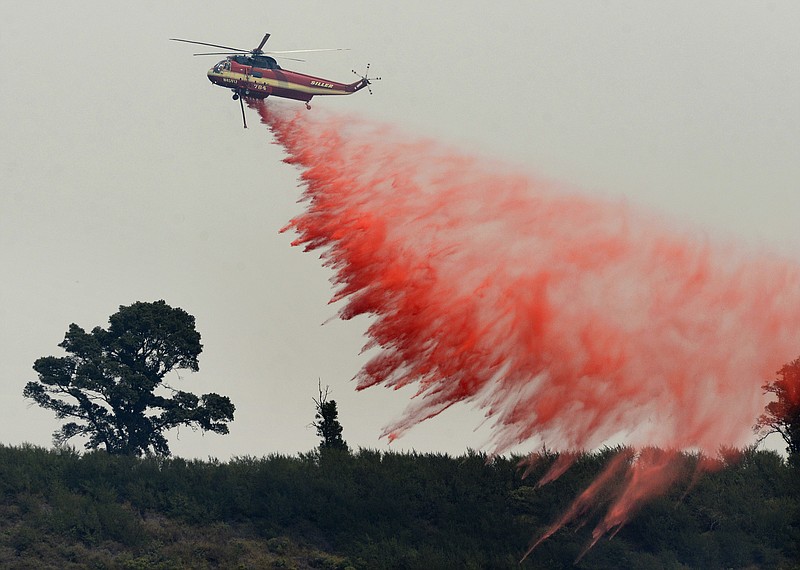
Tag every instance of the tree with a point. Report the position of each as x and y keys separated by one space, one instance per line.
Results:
x=107 y=384
x=327 y=422
x=782 y=415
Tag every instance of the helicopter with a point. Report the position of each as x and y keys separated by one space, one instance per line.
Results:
x=255 y=74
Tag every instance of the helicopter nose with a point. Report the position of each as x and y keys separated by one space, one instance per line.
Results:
x=214 y=76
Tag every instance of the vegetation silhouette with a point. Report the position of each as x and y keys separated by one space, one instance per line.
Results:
x=326 y=421
x=128 y=504
x=107 y=384
x=782 y=415
x=373 y=509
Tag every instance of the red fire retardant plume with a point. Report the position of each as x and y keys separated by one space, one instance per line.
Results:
x=571 y=320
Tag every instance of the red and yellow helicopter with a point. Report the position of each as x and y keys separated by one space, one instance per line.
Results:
x=255 y=74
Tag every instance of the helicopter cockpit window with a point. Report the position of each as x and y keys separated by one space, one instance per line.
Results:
x=224 y=65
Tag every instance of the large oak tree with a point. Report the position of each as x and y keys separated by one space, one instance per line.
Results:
x=111 y=385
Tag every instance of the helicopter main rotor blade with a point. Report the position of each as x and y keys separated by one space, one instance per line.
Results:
x=244 y=53
x=211 y=45
x=223 y=53
x=261 y=45
x=307 y=50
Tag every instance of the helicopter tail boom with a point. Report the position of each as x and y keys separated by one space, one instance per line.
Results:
x=357 y=86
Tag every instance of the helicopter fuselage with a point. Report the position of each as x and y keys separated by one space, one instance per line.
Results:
x=260 y=77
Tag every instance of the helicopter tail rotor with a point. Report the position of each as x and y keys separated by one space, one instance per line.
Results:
x=366 y=79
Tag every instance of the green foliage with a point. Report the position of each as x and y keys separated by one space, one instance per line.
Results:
x=371 y=509
x=327 y=423
x=782 y=415
x=107 y=385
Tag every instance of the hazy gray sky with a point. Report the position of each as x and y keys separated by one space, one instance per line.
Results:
x=127 y=176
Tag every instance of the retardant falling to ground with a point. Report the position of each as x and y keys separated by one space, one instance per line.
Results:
x=572 y=321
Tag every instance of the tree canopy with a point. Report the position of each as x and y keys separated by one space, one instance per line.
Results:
x=782 y=415
x=111 y=385
x=327 y=423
